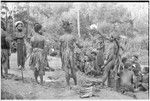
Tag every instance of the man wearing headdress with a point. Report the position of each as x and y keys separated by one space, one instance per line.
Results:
x=5 y=50
x=67 y=47
x=21 y=47
x=136 y=68
x=135 y=64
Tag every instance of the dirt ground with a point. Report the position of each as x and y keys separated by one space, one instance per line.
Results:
x=54 y=86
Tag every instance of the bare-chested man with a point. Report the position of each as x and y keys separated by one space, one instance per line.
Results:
x=126 y=79
x=38 y=59
x=112 y=57
x=67 y=46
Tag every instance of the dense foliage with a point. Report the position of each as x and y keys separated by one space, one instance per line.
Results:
x=111 y=18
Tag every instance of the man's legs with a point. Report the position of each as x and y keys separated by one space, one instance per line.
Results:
x=73 y=68
x=2 y=71
x=67 y=75
x=65 y=64
x=106 y=71
x=36 y=73
x=6 y=62
x=41 y=78
x=6 y=70
x=74 y=77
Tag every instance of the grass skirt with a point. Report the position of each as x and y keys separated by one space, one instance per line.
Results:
x=38 y=61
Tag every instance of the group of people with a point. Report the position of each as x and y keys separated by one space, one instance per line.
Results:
x=124 y=74
x=133 y=76
x=38 y=51
x=6 y=44
x=128 y=74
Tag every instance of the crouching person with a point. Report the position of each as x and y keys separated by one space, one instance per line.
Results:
x=144 y=84
x=126 y=81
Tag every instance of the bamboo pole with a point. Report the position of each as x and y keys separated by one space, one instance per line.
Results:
x=78 y=19
x=28 y=18
x=6 y=21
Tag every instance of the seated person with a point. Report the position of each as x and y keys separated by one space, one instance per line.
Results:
x=144 y=84
x=135 y=64
x=126 y=79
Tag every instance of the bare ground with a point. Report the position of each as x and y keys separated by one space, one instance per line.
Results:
x=54 y=86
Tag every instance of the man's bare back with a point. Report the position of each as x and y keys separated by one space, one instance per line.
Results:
x=126 y=77
x=126 y=80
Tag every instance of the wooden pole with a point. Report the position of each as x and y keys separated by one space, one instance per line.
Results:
x=13 y=11
x=27 y=18
x=6 y=22
x=78 y=19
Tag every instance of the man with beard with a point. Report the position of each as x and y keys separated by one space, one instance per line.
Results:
x=67 y=47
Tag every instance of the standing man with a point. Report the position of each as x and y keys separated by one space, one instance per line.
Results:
x=5 y=50
x=38 y=40
x=100 y=56
x=39 y=52
x=113 y=58
x=67 y=47
x=21 y=47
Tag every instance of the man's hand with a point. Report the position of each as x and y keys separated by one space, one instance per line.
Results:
x=9 y=53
